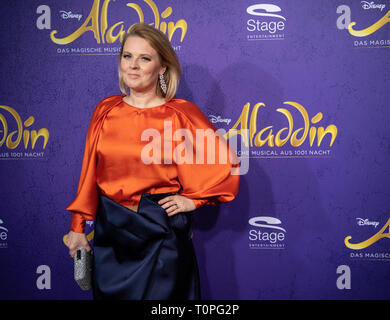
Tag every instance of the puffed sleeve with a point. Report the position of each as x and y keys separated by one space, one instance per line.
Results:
x=85 y=205
x=208 y=174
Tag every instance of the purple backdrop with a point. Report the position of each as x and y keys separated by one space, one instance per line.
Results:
x=318 y=145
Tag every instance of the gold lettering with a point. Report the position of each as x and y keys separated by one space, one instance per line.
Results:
x=105 y=34
x=243 y=123
x=5 y=127
x=94 y=27
x=9 y=143
x=155 y=13
x=41 y=133
x=280 y=142
x=26 y=133
x=253 y=121
x=272 y=140
x=12 y=144
x=313 y=130
x=103 y=18
x=137 y=9
x=110 y=37
x=332 y=129
x=181 y=24
x=371 y=29
x=364 y=244
x=295 y=142
x=26 y=137
x=166 y=13
x=30 y=120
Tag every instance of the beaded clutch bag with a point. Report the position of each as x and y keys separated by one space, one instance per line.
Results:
x=83 y=268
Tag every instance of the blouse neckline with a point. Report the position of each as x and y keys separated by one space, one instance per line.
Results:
x=129 y=105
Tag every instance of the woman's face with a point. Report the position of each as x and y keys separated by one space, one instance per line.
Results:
x=140 y=65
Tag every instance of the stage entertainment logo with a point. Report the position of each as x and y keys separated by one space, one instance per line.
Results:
x=266 y=233
x=266 y=22
x=302 y=137
x=13 y=130
x=372 y=239
x=3 y=236
x=368 y=25
x=100 y=28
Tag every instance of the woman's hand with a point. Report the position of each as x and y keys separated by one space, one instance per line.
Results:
x=75 y=240
x=176 y=203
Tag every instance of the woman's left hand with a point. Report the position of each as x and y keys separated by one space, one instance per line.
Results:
x=176 y=203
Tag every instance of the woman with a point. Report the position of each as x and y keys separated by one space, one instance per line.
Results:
x=142 y=193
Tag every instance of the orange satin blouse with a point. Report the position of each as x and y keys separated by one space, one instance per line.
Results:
x=130 y=151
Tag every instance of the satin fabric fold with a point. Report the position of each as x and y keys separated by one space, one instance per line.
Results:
x=145 y=255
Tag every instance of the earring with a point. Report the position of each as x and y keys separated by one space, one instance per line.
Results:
x=163 y=85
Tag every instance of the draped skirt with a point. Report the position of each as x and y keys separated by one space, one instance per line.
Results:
x=145 y=255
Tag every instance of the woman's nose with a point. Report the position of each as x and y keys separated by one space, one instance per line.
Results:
x=133 y=64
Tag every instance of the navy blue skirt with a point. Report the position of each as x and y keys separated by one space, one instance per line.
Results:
x=145 y=255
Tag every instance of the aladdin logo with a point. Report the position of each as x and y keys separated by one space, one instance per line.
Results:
x=344 y=20
x=371 y=5
x=268 y=239
x=97 y=23
x=289 y=134
x=269 y=28
x=69 y=15
x=3 y=235
x=382 y=233
x=13 y=139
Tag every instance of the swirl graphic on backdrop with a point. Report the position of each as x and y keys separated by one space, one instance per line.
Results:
x=270 y=223
x=371 y=29
x=267 y=8
x=97 y=23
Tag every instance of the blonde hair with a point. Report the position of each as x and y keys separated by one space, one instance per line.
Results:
x=168 y=58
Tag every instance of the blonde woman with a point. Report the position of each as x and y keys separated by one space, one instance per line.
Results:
x=142 y=245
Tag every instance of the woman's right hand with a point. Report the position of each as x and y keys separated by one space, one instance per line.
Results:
x=75 y=240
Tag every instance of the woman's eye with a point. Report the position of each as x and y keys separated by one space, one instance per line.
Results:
x=128 y=56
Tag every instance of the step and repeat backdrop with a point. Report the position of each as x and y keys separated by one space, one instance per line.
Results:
x=303 y=84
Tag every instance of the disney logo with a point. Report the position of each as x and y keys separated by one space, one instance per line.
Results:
x=70 y=15
x=215 y=119
x=371 y=5
x=366 y=222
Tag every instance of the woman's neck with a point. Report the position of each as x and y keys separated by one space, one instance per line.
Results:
x=143 y=100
